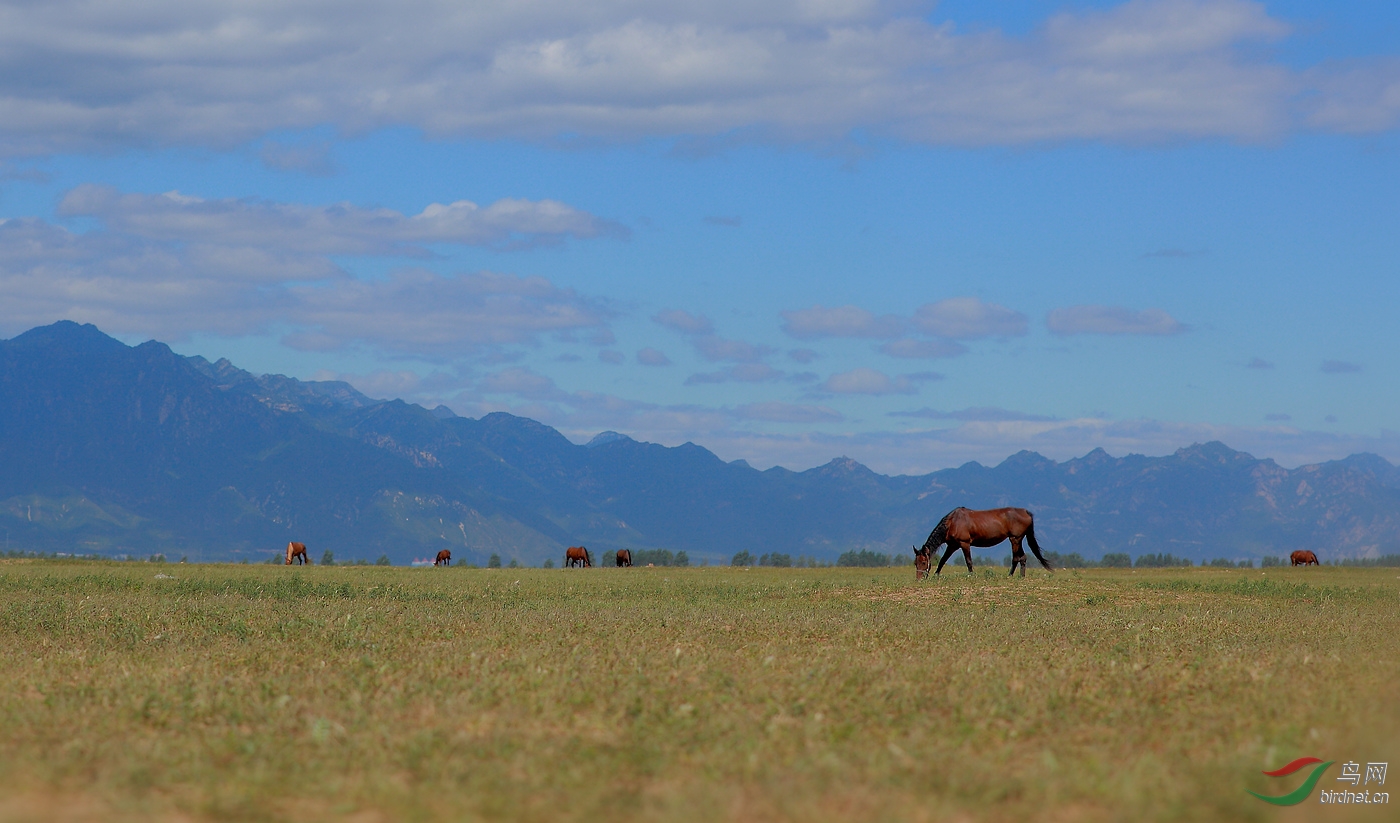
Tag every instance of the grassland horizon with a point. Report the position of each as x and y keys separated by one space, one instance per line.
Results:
x=137 y=691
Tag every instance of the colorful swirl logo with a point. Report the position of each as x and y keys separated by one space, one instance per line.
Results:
x=1301 y=793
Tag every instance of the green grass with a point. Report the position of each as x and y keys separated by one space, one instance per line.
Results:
x=268 y=693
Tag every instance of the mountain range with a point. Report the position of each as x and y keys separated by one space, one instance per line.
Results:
x=118 y=450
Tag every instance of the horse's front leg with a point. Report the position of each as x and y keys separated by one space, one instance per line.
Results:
x=952 y=547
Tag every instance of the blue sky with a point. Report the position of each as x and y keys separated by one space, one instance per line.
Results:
x=908 y=233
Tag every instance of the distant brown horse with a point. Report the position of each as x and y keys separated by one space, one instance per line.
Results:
x=298 y=551
x=921 y=564
x=578 y=556
x=624 y=558
x=444 y=558
x=964 y=528
x=1303 y=557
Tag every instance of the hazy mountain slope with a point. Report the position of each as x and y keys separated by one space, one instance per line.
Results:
x=106 y=447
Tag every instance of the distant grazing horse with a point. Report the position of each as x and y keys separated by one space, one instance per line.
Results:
x=624 y=558
x=578 y=556
x=964 y=528
x=921 y=564
x=298 y=551
x=1303 y=557
x=444 y=558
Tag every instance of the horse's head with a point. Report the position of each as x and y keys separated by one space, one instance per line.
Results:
x=923 y=558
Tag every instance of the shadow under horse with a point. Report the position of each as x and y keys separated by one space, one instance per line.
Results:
x=964 y=528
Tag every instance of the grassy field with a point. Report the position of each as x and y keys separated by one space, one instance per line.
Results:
x=137 y=691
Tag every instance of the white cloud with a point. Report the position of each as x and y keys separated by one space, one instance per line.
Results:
x=521 y=382
x=788 y=413
x=169 y=266
x=311 y=158
x=339 y=229
x=842 y=321
x=683 y=321
x=741 y=373
x=977 y=413
x=923 y=349
x=1339 y=367
x=101 y=74
x=719 y=349
x=420 y=312
x=867 y=381
x=965 y=318
x=1111 y=320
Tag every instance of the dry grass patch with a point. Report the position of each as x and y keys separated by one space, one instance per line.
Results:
x=233 y=693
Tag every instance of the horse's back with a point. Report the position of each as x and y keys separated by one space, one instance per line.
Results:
x=990 y=524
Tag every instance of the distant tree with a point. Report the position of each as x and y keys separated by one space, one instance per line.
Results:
x=776 y=560
x=1383 y=560
x=1246 y=564
x=327 y=558
x=494 y=562
x=1116 y=561
x=1160 y=561
x=275 y=559
x=653 y=557
x=1073 y=560
x=1222 y=563
x=383 y=560
x=863 y=559
x=514 y=564
x=1269 y=562
x=742 y=558
x=549 y=563
x=609 y=559
x=682 y=559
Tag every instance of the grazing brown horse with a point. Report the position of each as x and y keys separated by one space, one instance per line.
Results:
x=921 y=564
x=1303 y=557
x=624 y=558
x=444 y=558
x=298 y=551
x=964 y=528
x=578 y=556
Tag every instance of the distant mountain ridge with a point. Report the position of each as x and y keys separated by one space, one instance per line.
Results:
x=114 y=449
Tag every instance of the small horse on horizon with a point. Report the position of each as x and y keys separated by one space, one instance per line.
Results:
x=577 y=556
x=1303 y=557
x=298 y=551
x=624 y=558
x=444 y=558
x=921 y=563
x=964 y=528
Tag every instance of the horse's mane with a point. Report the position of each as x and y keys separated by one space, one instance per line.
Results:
x=939 y=534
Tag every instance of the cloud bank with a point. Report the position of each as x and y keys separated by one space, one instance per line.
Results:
x=171 y=265
x=99 y=74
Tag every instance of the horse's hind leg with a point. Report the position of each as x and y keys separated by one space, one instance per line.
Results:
x=967 y=555
x=1018 y=556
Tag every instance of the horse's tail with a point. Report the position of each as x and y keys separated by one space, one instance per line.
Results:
x=1035 y=547
x=587 y=558
x=939 y=534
